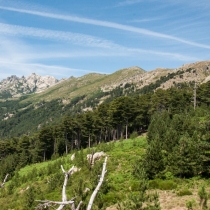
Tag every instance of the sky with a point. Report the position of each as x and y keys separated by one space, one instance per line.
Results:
x=65 y=38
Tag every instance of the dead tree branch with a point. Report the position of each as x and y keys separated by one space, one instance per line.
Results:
x=64 y=201
x=5 y=179
x=95 y=156
x=66 y=177
x=98 y=186
x=47 y=203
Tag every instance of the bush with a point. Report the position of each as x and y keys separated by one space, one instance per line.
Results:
x=134 y=135
x=184 y=192
x=167 y=185
x=105 y=147
x=111 y=198
x=168 y=175
x=162 y=184
x=190 y=204
x=153 y=184
x=135 y=185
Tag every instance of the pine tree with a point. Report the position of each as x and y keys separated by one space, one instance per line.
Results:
x=153 y=162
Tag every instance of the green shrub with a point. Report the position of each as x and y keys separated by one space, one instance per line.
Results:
x=111 y=198
x=167 y=185
x=184 y=192
x=10 y=188
x=168 y=175
x=190 y=204
x=203 y=197
x=134 y=135
x=135 y=185
x=154 y=184
x=162 y=184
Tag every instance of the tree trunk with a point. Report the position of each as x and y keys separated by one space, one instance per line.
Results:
x=72 y=142
x=98 y=186
x=89 y=140
x=44 y=155
x=126 y=129
x=79 y=141
x=114 y=134
x=55 y=145
x=66 y=143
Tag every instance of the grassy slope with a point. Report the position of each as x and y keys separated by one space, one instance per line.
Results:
x=87 y=84
x=121 y=156
x=47 y=179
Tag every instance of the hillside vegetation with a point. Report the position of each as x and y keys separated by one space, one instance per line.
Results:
x=77 y=95
x=121 y=187
x=171 y=160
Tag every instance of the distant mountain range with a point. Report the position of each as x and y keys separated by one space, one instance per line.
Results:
x=46 y=100
x=13 y=87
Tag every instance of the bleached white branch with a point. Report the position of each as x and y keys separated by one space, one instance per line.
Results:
x=78 y=207
x=98 y=186
x=5 y=179
x=66 y=177
x=47 y=203
x=64 y=202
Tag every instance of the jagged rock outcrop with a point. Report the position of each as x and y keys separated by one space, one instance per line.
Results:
x=15 y=87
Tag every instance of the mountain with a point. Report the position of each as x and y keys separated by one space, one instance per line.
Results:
x=47 y=100
x=50 y=88
x=15 y=87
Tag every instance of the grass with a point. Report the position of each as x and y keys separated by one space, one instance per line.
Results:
x=48 y=177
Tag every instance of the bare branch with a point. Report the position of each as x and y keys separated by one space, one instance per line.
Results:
x=5 y=179
x=66 y=175
x=47 y=203
x=98 y=186
x=78 y=207
x=64 y=202
x=62 y=169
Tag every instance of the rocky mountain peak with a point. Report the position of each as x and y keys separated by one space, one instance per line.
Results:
x=15 y=86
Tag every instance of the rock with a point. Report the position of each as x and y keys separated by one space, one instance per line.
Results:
x=15 y=87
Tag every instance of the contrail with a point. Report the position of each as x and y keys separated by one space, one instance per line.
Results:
x=106 y=24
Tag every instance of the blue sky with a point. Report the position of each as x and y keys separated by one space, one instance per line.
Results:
x=66 y=38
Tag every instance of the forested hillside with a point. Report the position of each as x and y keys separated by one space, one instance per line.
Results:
x=176 y=122
x=78 y=95
x=109 y=121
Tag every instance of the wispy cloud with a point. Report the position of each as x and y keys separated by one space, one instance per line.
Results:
x=204 y=4
x=76 y=38
x=128 y=2
x=172 y=56
x=144 y=20
x=24 y=68
x=113 y=49
x=107 y=24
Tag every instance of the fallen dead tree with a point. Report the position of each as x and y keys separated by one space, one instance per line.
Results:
x=91 y=158
x=98 y=186
x=47 y=203
x=5 y=179
x=64 y=202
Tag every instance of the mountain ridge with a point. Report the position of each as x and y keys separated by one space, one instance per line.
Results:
x=76 y=95
x=14 y=86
